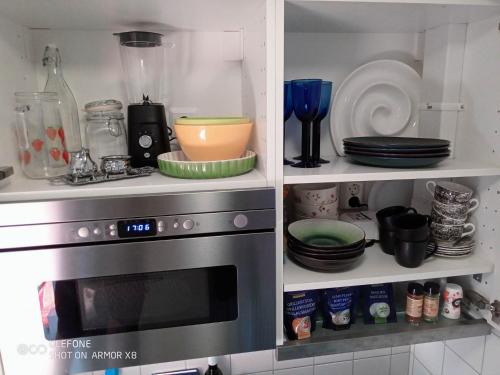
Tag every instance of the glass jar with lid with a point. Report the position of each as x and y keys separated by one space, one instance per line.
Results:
x=431 y=302
x=106 y=133
x=414 y=303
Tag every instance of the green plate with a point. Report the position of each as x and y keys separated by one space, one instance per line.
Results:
x=386 y=162
x=176 y=164
x=200 y=121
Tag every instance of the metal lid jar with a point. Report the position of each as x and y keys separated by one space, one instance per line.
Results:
x=105 y=130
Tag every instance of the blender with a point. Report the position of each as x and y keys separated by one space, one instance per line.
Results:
x=142 y=56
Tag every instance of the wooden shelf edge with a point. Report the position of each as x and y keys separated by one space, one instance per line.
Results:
x=366 y=337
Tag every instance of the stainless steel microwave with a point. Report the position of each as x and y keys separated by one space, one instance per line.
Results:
x=99 y=283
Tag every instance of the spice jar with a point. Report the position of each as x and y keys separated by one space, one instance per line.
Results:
x=414 y=303
x=431 y=302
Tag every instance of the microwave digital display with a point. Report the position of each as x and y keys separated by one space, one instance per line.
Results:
x=136 y=228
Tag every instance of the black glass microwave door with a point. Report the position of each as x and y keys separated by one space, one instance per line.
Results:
x=125 y=303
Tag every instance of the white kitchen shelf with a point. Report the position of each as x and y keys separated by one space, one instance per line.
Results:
x=214 y=15
x=340 y=170
x=20 y=188
x=378 y=267
x=375 y=16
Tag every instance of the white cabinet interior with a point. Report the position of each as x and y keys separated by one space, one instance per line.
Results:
x=217 y=59
x=452 y=45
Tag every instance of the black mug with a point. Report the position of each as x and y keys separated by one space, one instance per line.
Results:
x=412 y=227
x=412 y=254
x=386 y=216
x=386 y=230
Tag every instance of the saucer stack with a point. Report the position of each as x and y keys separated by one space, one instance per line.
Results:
x=315 y=201
x=460 y=249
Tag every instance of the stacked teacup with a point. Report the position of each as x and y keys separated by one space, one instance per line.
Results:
x=315 y=201
x=451 y=207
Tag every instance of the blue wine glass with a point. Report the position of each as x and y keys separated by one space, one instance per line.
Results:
x=324 y=107
x=306 y=95
x=287 y=112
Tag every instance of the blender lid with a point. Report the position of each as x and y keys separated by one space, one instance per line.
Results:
x=140 y=39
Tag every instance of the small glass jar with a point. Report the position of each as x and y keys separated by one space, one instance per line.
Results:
x=414 y=303
x=106 y=134
x=431 y=302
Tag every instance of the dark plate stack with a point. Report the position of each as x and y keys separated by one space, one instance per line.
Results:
x=396 y=152
x=325 y=245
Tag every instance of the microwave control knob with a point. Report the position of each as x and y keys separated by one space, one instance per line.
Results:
x=188 y=224
x=145 y=141
x=240 y=221
x=83 y=232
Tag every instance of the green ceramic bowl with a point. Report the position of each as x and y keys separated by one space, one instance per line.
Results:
x=326 y=233
x=176 y=164
x=197 y=121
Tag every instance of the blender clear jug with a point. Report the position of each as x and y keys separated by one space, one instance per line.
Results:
x=143 y=59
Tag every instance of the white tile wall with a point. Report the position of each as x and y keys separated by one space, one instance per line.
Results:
x=400 y=363
x=453 y=364
x=491 y=364
x=336 y=368
x=419 y=369
x=372 y=353
x=247 y=363
x=309 y=370
x=333 y=358
x=431 y=355
x=400 y=349
x=278 y=365
x=470 y=356
x=372 y=366
x=471 y=350
x=163 y=367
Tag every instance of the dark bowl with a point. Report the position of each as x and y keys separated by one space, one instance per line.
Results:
x=322 y=266
x=326 y=234
x=327 y=256
x=325 y=249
